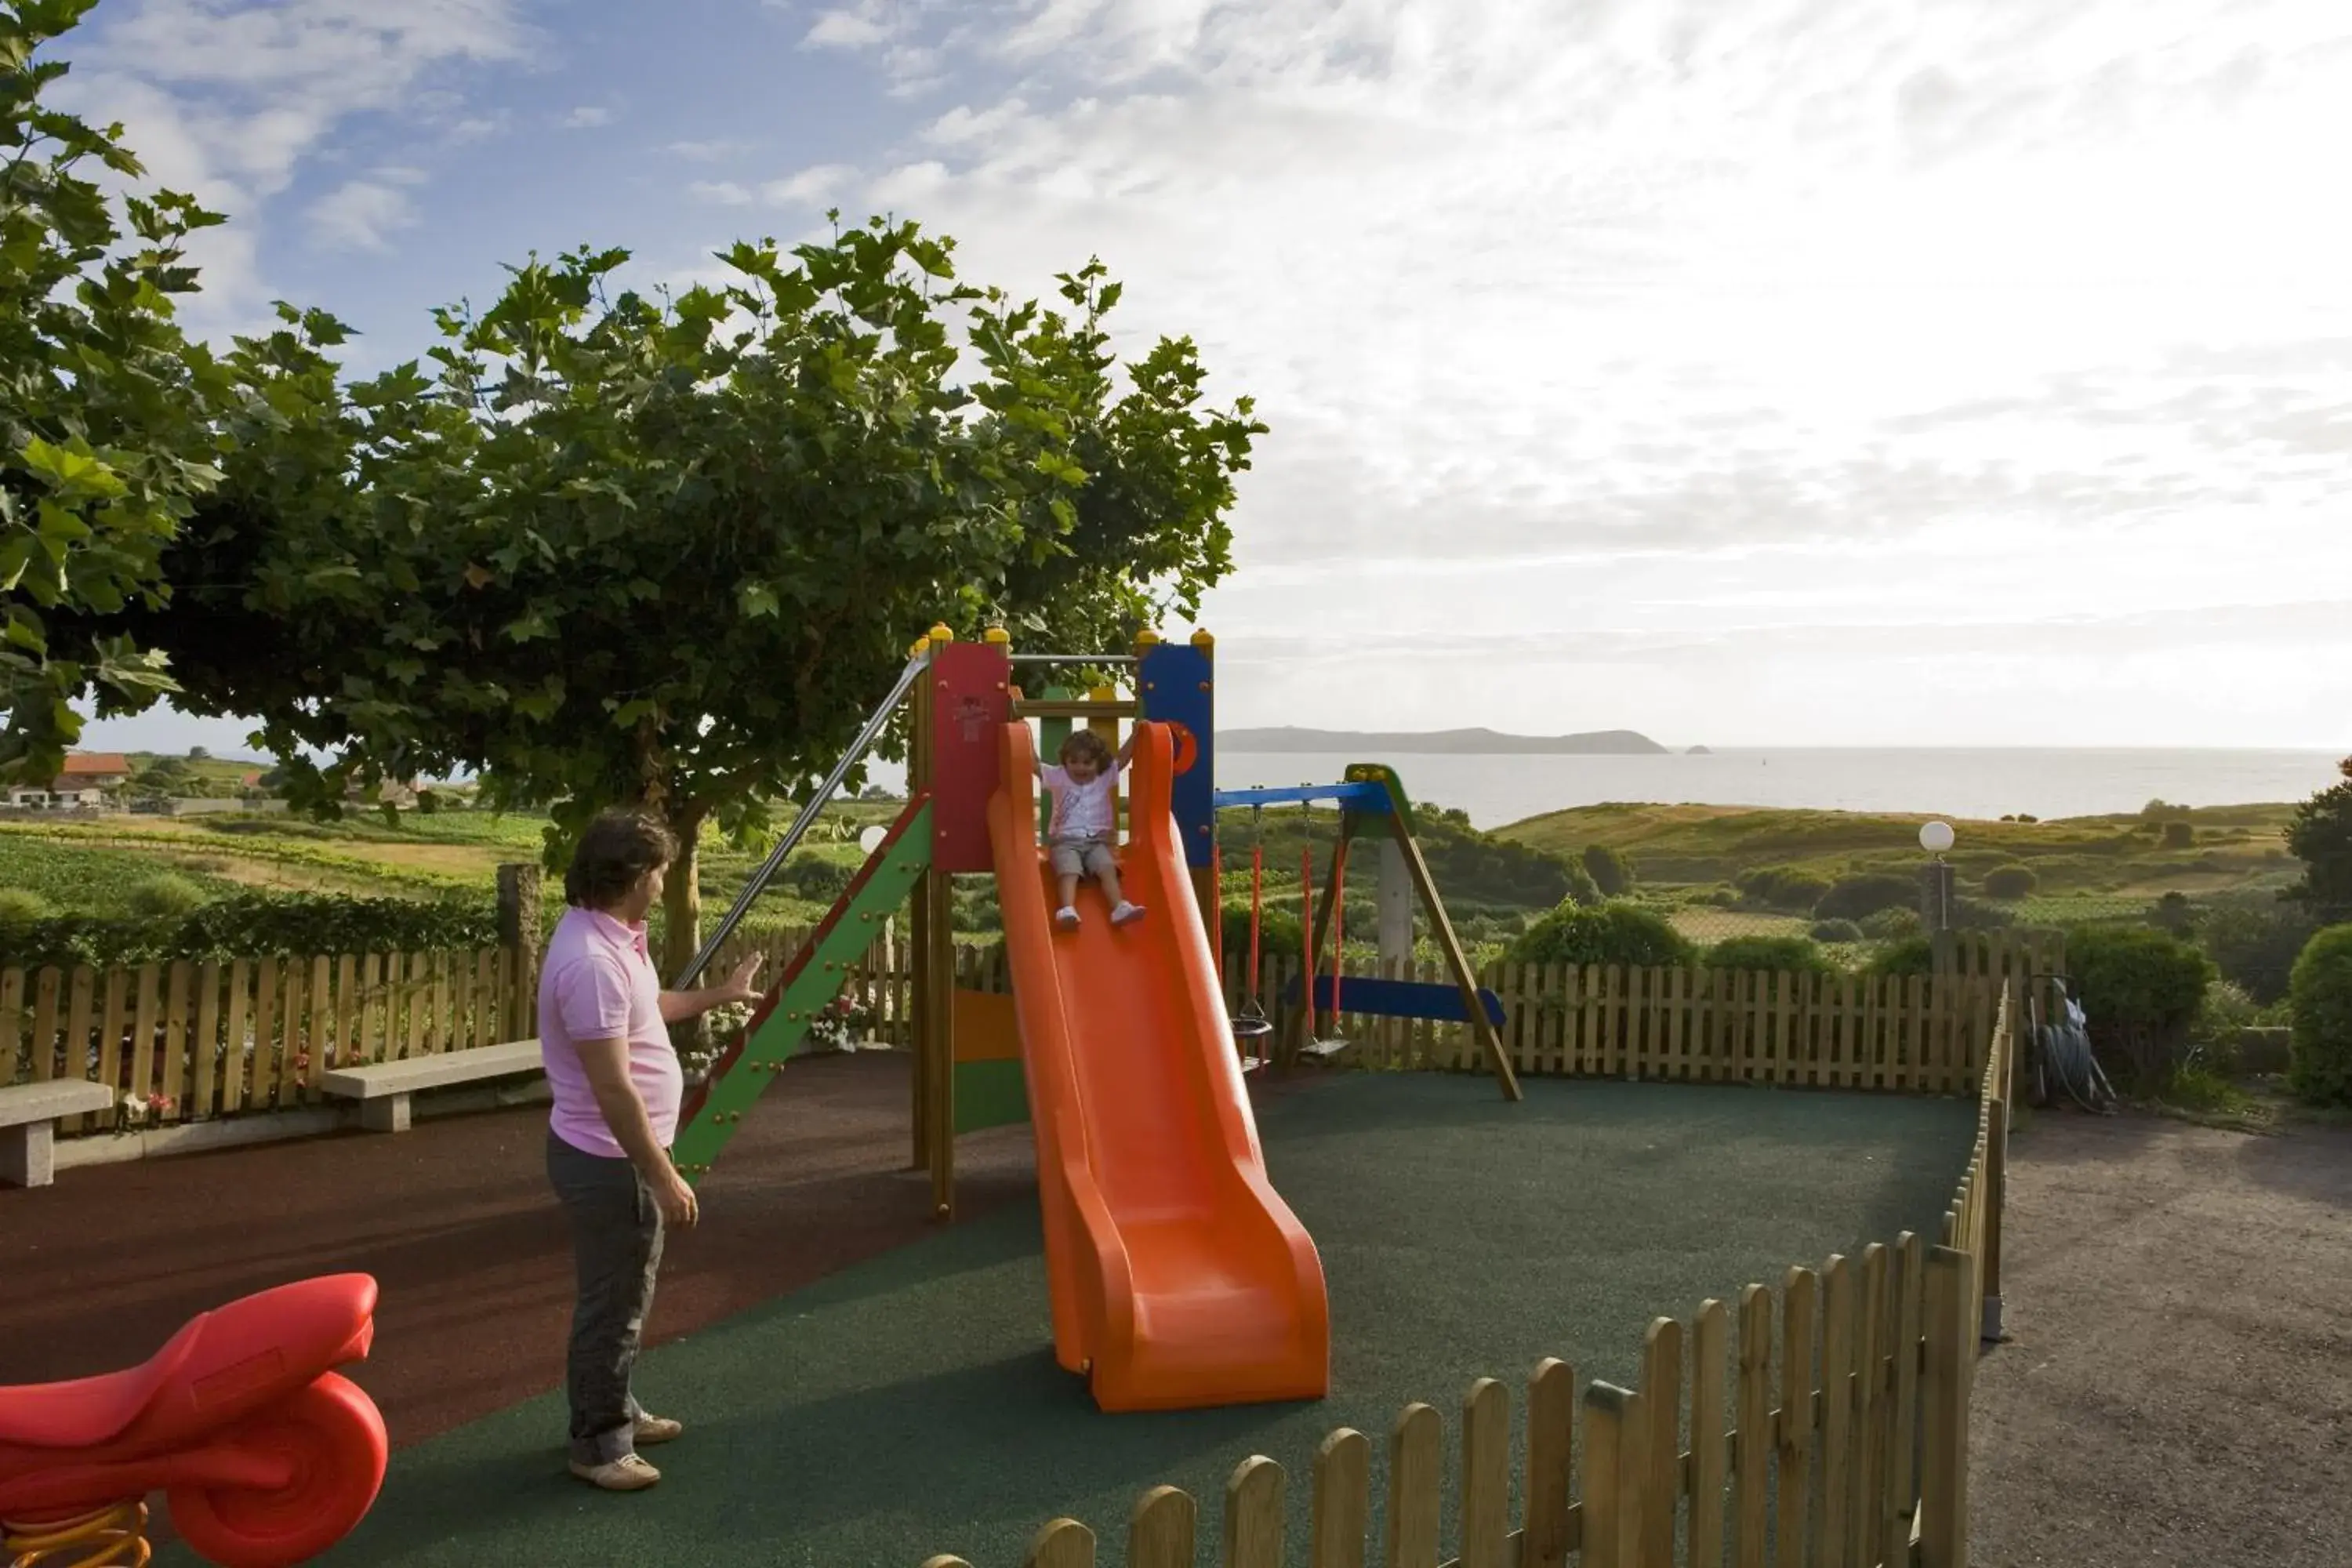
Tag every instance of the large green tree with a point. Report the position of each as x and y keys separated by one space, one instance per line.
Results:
x=104 y=406
x=2320 y=836
x=669 y=552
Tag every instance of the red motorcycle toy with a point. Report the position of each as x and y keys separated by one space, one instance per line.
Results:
x=265 y=1457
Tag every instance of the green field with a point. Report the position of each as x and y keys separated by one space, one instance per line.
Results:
x=89 y=867
x=2081 y=859
x=1687 y=857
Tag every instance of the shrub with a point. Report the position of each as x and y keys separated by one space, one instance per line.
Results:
x=2319 y=1061
x=1613 y=933
x=1783 y=886
x=975 y=907
x=1969 y=914
x=1891 y=925
x=2255 y=946
x=21 y=907
x=816 y=879
x=2142 y=989
x=1786 y=954
x=258 y=924
x=1610 y=871
x=165 y=897
x=2173 y=913
x=2179 y=836
x=2226 y=1013
x=1859 y=898
x=1900 y=959
x=1837 y=932
x=2011 y=883
x=1279 y=934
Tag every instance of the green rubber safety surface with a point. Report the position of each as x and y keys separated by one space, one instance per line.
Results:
x=911 y=1405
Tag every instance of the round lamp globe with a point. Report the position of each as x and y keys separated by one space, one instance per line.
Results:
x=1936 y=838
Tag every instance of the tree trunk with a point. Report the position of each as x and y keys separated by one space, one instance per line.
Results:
x=682 y=922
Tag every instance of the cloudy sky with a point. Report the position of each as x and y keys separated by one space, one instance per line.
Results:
x=1790 y=372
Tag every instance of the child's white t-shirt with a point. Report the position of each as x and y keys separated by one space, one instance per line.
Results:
x=1080 y=810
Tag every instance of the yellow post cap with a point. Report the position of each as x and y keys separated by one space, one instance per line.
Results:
x=996 y=635
x=939 y=634
x=1203 y=641
x=919 y=647
x=1147 y=637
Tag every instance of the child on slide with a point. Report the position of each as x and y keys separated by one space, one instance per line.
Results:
x=1079 y=835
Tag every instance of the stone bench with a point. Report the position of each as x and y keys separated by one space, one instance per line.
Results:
x=383 y=1088
x=28 y=1118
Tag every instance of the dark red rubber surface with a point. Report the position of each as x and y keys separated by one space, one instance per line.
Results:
x=456 y=1222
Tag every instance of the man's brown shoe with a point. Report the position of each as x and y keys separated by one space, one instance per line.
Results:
x=629 y=1473
x=656 y=1429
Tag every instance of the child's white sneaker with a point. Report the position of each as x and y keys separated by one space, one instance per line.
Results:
x=1126 y=913
x=1067 y=918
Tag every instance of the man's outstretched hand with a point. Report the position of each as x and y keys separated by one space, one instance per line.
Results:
x=743 y=984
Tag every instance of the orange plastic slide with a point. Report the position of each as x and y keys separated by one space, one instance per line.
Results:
x=1179 y=1278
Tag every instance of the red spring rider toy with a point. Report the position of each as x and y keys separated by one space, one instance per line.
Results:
x=265 y=1455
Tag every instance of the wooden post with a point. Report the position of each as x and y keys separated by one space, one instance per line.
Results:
x=1482 y=1029
x=519 y=916
x=1950 y=1362
x=1996 y=1195
x=938 y=983
x=1395 y=905
x=1936 y=897
x=918 y=958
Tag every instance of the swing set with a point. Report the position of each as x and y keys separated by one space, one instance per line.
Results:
x=1369 y=791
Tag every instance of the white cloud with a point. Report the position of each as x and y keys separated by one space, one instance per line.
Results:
x=223 y=99
x=363 y=215
x=587 y=117
x=710 y=152
x=725 y=193
x=1863 y=284
x=811 y=186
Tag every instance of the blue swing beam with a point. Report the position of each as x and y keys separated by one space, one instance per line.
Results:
x=1365 y=799
x=1440 y=1004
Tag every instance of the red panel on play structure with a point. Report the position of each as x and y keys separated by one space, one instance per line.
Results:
x=971 y=702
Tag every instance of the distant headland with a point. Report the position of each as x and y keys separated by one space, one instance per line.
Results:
x=1450 y=742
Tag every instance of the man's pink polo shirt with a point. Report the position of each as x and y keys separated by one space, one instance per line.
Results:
x=598 y=983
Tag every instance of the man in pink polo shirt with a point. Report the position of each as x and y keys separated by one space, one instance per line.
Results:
x=616 y=1084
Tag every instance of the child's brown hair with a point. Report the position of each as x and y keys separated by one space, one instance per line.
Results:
x=1085 y=744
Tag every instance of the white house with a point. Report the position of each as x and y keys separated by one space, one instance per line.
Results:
x=81 y=785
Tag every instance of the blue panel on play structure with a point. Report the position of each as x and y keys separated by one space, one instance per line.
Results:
x=1173 y=681
x=1399 y=999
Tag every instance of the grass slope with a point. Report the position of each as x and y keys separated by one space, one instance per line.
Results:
x=2233 y=846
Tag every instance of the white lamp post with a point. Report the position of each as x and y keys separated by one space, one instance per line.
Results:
x=1935 y=878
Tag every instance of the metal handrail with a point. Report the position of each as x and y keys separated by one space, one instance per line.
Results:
x=758 y=881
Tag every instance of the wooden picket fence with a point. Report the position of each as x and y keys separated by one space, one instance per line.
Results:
x=1829 y=1427
x=186 y=1041
x=189 y=1041
x=1915 y=1035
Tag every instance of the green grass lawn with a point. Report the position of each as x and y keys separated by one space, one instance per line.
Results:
x=910 y=1404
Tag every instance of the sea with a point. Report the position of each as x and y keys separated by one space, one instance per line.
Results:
x=1971 y=786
